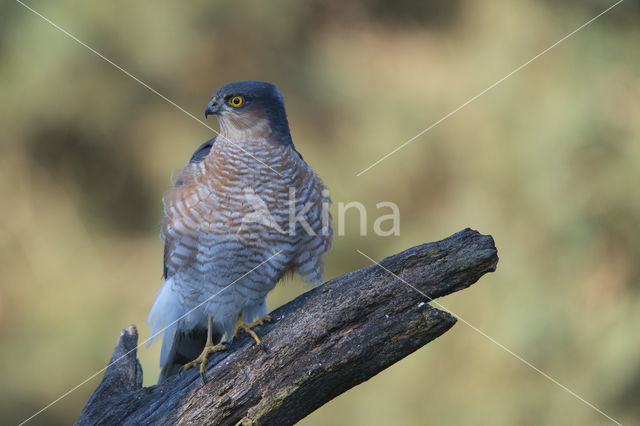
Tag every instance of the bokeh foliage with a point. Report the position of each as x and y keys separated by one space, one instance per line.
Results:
x=547 y=162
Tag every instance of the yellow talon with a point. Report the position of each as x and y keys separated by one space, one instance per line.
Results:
x=209 y=348
x=241 y=325
x=202 y=358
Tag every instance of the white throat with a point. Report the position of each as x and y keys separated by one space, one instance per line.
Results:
x=242 y=131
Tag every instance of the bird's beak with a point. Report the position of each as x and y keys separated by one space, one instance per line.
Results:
x=212 y=108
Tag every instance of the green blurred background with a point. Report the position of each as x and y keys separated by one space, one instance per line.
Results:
x=547 y=162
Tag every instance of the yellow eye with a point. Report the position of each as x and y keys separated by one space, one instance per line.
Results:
x=236 y=101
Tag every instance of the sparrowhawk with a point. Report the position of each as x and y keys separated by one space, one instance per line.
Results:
x=245 y=211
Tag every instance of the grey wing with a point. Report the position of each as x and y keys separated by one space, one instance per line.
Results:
x=202 y=151
x=199 y=155
x=186 y=345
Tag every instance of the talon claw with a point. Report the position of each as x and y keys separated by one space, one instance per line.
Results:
x=204 y=357
x=241 y=325
x=209 y=348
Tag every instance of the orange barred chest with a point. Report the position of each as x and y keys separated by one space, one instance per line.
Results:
x=248 y=197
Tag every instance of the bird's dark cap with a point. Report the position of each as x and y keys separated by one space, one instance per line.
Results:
x=257 y=96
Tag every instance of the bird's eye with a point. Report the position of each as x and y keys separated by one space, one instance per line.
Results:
x=236 y=101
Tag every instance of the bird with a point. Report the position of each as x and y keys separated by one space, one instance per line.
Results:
x=246 y=211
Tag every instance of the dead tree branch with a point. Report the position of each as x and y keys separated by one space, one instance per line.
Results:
x=321 y=344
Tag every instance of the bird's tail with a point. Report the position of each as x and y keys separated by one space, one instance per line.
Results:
x=186 y=347
x=165 y=317
x=181 y=343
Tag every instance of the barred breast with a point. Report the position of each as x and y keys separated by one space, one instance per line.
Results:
x=256 y=205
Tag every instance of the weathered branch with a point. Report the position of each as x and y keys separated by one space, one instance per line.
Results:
x=321 y=344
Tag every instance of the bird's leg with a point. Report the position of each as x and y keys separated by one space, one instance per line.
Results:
x=209 y=348
x=241 y=325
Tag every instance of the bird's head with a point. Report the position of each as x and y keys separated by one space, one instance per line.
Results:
x=248 y=108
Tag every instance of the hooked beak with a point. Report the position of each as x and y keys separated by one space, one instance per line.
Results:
x=212 y=108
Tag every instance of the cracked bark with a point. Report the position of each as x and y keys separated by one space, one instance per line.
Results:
x=319 y=345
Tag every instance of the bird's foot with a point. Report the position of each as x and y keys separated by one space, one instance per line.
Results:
x=241 y=325
x=202 y=359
